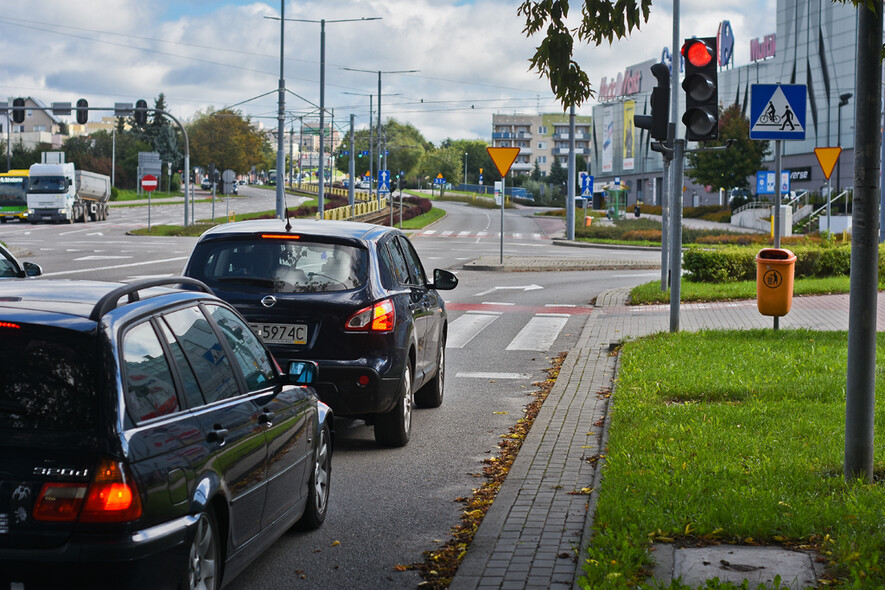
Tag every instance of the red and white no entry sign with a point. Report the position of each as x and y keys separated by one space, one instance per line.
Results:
x=149 y=182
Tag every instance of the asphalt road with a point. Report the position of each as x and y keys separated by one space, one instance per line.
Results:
x=388 y=506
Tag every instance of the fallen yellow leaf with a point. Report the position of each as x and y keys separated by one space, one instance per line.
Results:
x=335 y=543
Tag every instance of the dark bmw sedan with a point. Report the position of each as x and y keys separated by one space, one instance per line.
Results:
x=352 y=297
x=148 y=438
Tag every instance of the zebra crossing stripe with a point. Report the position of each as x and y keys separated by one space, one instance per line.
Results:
x=465 y=328
x=539 y=333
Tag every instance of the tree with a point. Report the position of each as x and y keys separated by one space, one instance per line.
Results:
x=445 y=161
x=732 y=167
x=477 y=157
x=405 y=144
x=536 y=172
x=558 y=174
x=226 y=139
x=601 y=20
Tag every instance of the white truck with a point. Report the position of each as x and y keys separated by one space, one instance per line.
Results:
x=58 y=192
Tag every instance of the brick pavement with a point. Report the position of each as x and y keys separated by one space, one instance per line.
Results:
x=532 y=536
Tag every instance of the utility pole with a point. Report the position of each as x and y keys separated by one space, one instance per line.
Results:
x=860 y=390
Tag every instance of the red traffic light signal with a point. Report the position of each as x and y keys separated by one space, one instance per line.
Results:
x=701 y=116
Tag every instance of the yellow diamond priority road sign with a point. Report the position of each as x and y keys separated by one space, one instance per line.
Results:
x=827 y=158
x=503 y=157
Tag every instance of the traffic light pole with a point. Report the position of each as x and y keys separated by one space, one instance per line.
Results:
x=677 y=170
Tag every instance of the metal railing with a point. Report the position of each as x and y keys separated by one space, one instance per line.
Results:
x=349 y=212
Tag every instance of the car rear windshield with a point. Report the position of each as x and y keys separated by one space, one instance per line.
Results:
x=280 y=265
x=47 y=378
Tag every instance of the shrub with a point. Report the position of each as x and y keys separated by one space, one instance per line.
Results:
x=643 y=235
x=735 y=263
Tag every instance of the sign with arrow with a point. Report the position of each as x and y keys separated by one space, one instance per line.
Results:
x=384 y=181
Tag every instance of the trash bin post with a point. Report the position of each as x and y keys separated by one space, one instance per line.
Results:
x=775 y=270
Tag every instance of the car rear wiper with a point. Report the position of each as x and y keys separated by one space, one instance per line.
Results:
x=250 y=280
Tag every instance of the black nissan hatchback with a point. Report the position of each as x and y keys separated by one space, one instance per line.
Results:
x=352 y=297
x=148 y=438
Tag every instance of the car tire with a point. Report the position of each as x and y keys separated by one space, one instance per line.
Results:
x=318 y=486
x=431 y=394
x=393 y=428
x=204 y=556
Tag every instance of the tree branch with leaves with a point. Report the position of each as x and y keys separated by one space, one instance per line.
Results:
x=601 y=20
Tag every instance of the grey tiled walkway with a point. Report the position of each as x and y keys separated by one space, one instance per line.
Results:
x=532 y=534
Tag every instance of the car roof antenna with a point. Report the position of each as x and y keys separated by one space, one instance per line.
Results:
x=286 y=208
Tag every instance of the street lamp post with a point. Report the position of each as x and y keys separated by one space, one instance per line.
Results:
x=465 y=169
x=843 y=100
x=379 y=101
x=322 y=23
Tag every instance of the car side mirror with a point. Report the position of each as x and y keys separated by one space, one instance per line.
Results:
x=302 y=373
x=444 y=280
x=32 y=269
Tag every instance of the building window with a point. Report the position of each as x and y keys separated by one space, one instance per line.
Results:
x=542 y=130
x=39 y=127
x=542 y=145
x=542 y=159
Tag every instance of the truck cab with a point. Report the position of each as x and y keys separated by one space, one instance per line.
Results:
x=52 y=192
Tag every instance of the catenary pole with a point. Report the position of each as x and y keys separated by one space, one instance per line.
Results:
x=860 y=390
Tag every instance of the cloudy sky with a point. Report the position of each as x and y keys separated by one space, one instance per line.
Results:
x=471 y=56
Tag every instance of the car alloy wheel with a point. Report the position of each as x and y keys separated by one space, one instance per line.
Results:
x=393 y=428
x=203 y=564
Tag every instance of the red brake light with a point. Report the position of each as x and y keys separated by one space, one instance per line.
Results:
x=9 y=325
x=280 y=237
x=380 y=317
x=110 y=497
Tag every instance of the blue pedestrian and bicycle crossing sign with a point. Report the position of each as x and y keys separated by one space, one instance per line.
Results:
x=777 y=111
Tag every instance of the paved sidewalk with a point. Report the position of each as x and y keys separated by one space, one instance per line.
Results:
x=544 y=510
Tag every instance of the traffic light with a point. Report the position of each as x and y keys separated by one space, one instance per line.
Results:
x=82 y=111
x=656 y=123
x=701 y=116
x=141 y=112
x=18 y=110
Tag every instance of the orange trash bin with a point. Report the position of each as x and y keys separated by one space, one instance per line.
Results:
x=587 y=221
x=775 y=269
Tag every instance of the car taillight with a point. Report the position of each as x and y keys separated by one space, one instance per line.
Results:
x=380 y=317
x=9 y=325
x=111 y=496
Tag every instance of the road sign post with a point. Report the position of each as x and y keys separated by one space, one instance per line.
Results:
x=503 y=157
x=149 y=185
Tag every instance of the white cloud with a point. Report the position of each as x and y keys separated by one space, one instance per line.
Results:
x=472 y=57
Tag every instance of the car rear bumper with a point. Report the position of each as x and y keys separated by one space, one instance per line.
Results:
x=341 y=389
x=151 y=558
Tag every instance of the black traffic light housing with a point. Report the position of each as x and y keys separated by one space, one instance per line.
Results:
x=701 y=82
x=18 y=110
x=140 y=112
x=82 y=111
x=656 y=123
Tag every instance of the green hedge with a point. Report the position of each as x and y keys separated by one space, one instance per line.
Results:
x=735 y=263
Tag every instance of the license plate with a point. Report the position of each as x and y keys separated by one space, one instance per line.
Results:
x=282 y=333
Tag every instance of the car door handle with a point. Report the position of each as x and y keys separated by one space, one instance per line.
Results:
x=217 y=434
x=266 y=417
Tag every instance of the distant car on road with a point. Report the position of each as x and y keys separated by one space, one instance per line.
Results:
x=353 y=297
x=206 y=184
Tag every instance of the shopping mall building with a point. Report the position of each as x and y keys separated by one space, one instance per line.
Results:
x=815 y=45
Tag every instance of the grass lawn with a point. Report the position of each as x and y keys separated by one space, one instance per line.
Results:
x=734 y=437
x=692 y=292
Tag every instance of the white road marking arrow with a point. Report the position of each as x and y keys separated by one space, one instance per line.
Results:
x=522 y=288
